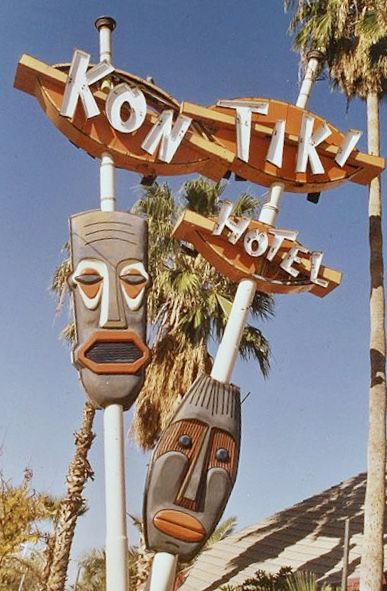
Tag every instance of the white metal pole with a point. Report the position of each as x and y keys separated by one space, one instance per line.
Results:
x=314 y=59
x=228 y=349
x=116 y=528
x=116 y=532
x=107 y=183
x=106 y=25
x=270 y=208
x=163 y=572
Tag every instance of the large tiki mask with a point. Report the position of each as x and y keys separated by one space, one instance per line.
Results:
x=193 y=469
x=109 y=282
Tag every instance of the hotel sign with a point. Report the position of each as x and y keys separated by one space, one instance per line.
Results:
x=241 y=248
x=102 y=109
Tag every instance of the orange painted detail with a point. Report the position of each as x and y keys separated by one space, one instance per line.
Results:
x=119 y=337
x=179 y=525
x=209 y=147
x=91 y=289
x=133 y=289
x=233 y=261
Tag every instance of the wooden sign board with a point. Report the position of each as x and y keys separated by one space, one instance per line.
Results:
x=271 y=276
x=283 y=143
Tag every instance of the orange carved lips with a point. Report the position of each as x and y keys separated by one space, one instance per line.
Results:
x=114 y=352
x=179 y=525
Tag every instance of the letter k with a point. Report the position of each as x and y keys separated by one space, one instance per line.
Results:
x=78 y=84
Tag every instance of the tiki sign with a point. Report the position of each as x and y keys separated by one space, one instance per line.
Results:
x=248 y=249
x=109 y=284
x=102 y=109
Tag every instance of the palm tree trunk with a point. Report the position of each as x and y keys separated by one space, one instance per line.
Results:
x=372 y=554
x=47 y=561
x=73 y=503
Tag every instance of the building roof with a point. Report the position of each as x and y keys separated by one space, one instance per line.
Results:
x=308 y=536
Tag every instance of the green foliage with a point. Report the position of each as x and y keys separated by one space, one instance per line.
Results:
x=23 y=514
x=284 y=580
x=306 y=581
x=263 y=581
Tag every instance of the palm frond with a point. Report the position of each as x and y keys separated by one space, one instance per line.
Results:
x=246 y=205
x=202 y=196
x=255 y=346
x=224 y=529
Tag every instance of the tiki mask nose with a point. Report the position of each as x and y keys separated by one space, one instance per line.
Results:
x=112 y=310
x=192 y=486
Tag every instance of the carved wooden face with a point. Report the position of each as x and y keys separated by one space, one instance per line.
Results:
x=109 y=283
x=193 y=469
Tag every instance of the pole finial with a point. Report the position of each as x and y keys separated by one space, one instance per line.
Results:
x=316 y=54
x=105 y=21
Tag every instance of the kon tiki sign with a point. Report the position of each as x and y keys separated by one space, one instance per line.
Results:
x=102 y=109
x=248 y=249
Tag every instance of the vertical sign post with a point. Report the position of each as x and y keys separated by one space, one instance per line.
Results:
x=116 y=528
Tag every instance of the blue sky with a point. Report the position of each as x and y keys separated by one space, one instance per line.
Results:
x=305 y=427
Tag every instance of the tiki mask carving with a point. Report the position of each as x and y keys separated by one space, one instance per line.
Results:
x=109 y=283
x=193 y=469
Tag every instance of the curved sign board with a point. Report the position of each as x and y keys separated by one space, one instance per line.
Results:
x=102 y=109
x=248 y=249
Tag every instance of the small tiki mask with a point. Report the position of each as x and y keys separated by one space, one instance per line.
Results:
x=193 y=469
x=109 y=283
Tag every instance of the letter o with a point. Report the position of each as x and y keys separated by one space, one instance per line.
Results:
x=121 y=94
x=260 y=239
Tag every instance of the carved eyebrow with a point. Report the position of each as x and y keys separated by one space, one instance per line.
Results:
x=103 y=230
x=110 y=223
x=104 y=238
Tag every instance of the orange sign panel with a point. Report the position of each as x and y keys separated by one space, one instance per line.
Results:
x=270 y=256
x=102 y=109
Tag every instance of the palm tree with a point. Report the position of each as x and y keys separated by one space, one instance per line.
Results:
x=353 y=36
x=188 y=305
x=71 y=507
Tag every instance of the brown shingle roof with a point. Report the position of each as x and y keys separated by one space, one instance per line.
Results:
x=308 y=536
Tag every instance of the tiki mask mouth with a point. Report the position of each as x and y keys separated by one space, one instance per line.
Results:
x=179 y=525
x=113 y=352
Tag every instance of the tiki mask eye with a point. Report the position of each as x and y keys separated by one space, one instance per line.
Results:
x=222 y=455
x=89 y=281
x=89 y=278
x=134 y=280
x=185 y=441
